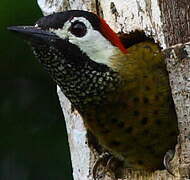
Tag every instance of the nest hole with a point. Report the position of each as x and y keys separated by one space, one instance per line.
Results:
x=134 y=37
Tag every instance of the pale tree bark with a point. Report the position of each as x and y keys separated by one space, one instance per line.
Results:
x=168 y=22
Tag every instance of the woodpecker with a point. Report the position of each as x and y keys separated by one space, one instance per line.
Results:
x=122 y=94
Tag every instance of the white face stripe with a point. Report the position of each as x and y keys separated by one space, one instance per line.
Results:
x=95 y=45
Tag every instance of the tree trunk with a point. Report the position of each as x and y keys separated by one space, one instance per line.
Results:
x=168 y=22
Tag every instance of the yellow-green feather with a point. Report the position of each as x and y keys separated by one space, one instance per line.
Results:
x=138 y=122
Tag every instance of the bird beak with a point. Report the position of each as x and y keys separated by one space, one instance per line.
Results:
x=34 y=34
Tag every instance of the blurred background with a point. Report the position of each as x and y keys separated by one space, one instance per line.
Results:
x=33 y=140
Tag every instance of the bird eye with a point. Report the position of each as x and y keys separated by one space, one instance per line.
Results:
x=78 y=29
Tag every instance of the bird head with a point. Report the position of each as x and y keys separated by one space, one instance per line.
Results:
x=84 y=30
x=77 y=48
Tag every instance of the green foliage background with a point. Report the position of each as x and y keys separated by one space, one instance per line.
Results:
x=33 y=141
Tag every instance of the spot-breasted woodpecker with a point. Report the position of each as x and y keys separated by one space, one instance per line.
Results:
x=122 y=94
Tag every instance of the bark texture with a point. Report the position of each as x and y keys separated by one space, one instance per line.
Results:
x=178 y=65
x=176 y=21
x=168 y=22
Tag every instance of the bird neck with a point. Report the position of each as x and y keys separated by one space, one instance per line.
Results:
x=83 y=81
x=118 y=60
x=87 y=86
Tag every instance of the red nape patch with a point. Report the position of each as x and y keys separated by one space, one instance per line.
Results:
x=111 y=35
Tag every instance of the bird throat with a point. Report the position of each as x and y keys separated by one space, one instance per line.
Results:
x=83 y=83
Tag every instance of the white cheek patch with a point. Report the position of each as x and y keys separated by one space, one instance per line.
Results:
x=94 y=44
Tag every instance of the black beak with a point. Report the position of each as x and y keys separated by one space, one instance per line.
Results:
x=34 y=34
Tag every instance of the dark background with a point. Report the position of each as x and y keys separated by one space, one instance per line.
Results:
x=33 y=140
